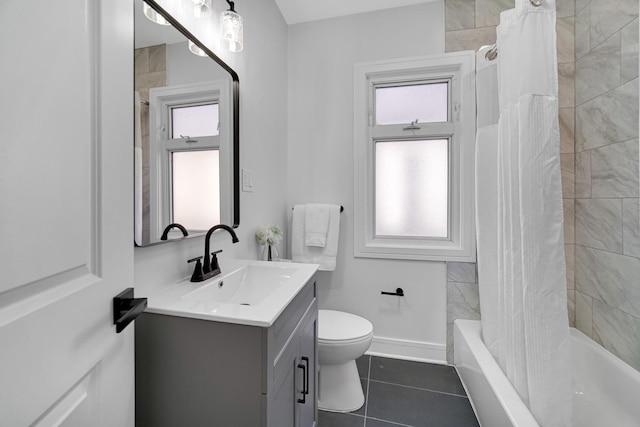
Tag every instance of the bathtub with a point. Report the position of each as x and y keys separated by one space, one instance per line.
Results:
x=606 y=391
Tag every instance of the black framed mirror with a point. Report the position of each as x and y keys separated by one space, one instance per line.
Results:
x=187 y=138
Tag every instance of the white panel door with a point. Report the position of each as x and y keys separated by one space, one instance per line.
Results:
x=65 y=212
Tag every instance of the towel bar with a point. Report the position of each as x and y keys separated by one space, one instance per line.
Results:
x=341 y=208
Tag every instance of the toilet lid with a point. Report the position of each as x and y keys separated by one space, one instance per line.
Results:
x=341 y=326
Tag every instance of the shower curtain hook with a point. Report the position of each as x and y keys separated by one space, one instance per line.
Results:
x=537 y=3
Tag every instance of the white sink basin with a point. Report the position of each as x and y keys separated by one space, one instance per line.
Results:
x=247 y=292
x=248 y=285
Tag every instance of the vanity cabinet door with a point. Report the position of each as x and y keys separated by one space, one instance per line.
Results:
x=308 y=410
x=282 y=399
x=292 y=399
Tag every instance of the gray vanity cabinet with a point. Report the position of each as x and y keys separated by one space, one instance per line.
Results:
x=192 y=372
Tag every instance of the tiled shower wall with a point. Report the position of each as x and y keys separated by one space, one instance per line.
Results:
x=607 y=232
x=150 y=71
x=470 y=24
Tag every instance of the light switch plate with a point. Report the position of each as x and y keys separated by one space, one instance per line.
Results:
x=247 y=180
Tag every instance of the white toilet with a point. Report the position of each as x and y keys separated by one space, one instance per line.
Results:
x=342 y=338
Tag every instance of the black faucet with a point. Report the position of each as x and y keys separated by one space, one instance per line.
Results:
x=165 y=234
x=210 y=267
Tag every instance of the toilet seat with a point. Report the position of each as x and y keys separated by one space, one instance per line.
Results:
x=337 y=327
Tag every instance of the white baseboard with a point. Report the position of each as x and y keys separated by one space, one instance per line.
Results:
x=418 y=351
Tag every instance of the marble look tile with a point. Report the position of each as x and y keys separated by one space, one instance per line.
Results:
x=459 y=14
x=146 y=187
x=598 y=71
x=565 y=8
x=565 y=39
x=614 y=170
x=461 y=272
x=618 y=332
x=471 y=39
x=609 y=16
x=583 y=174
x=463 y=301
x=599 y=224
x=571 y=307
x=609 y=118
x=584 y=313
x=629 y=52
x=580 y=4
x=570 y=262
x=158 y=58
x=569 y=220
x=141 y=61
x=609 y=277
x=566 y=85
x=488 y=11
x=566 y=118
x=631 y=227
x=567 y=169
x=150 y=80
x=582 y=32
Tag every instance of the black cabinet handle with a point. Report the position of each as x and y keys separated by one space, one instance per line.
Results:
x=305 y=379
x=126 y=308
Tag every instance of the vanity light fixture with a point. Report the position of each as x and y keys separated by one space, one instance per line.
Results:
x=153 y=16
x=231 y=26
x=193 y=48
x=199 y=8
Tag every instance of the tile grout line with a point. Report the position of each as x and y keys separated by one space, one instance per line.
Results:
x=391 y=422
x=366 y=397
x=422 y=389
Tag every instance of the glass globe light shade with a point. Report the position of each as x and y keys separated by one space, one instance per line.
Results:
x=153 y=16
x=231 y=25
x=196 y=50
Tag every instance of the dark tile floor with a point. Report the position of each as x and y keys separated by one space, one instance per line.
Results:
x=403 y=393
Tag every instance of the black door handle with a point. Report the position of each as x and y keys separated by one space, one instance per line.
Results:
x=305 y=379
x=126 y=308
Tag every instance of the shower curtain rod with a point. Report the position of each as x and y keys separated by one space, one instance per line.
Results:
x=493 y=52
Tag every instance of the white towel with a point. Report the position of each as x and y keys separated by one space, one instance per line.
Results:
x=300 y=252
x=316 y=224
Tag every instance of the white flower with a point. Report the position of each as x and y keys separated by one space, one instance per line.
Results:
x=269 y=235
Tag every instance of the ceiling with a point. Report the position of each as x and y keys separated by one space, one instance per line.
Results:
x=296 y=11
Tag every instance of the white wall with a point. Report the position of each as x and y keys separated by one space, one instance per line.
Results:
x=183 y=67
x=320 y=167
x=263 y=115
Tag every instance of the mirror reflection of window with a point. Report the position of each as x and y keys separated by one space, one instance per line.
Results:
x=189 y=139
x=196 y=188
x=194 y=120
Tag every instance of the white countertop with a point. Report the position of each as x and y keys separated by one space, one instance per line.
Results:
x=188 y=299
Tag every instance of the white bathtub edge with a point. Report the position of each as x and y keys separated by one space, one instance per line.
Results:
x=481 y=375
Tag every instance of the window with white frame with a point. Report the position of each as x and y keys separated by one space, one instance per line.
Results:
x=190 y=155
x=414 y=155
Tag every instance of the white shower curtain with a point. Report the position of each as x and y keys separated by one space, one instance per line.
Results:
x=137 y=170
x=523 y=296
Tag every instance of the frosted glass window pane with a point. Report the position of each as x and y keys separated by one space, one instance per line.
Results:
x=404 y=104
x=196 y=188
x=196 y=120
x=412 y=187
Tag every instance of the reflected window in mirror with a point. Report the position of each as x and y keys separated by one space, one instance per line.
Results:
x=188 y=141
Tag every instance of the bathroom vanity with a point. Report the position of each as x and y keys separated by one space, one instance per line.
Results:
x=239 y=350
